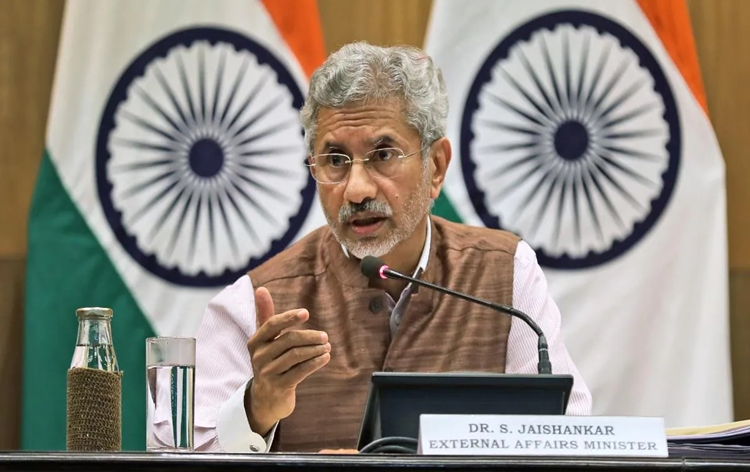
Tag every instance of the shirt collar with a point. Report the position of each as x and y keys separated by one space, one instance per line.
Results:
x=424 y=258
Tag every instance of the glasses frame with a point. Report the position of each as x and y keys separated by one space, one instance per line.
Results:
x=364 y=161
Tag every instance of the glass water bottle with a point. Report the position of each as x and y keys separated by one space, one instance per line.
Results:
x=94 y=346
x=94 y=386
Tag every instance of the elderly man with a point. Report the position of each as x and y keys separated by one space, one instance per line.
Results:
x=285 y=355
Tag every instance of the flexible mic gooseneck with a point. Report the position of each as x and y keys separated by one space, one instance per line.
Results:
x=374 y=268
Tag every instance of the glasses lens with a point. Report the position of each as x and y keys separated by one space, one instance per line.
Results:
x=385 y=161
x=331 y=167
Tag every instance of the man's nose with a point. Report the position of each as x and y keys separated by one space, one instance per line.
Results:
x=360 y=185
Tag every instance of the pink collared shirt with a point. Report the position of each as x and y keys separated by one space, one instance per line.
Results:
x=224 y=370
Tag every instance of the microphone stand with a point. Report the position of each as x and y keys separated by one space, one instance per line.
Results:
x=543 y=367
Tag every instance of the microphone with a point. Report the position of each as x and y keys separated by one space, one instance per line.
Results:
x=373 y=268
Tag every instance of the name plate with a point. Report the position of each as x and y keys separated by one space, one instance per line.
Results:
x=525 y=435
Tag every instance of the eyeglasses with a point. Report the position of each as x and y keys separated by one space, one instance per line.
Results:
x=334 y=168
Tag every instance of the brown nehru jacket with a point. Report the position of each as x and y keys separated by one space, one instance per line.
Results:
x=437 y=333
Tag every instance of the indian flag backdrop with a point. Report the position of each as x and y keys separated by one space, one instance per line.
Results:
x=582 y=126
x=174 y=163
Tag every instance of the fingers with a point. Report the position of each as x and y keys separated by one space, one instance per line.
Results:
x=277 y=324
x=263 y=353
x=263 y=305
x=281 y=355
x=291 y=340
x=301 y=371
x=293 y=357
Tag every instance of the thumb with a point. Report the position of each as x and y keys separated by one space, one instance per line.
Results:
x=263 y=305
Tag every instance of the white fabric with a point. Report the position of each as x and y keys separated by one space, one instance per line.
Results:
x=650 y=327
x=87 y=70
x=234 y=432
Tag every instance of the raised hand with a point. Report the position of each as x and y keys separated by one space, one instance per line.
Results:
x=282 y=357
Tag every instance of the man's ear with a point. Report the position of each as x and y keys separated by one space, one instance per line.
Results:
x=440 y=156
x=310 y=161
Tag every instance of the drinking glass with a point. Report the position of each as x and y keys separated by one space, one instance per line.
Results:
x=170 y=390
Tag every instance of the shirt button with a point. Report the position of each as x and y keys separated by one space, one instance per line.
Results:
x=254 y=448
x=376 y=304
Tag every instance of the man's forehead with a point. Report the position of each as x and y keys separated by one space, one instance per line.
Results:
x=372 y=110
x=366 y=125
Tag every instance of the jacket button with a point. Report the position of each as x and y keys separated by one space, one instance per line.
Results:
x=376 y=304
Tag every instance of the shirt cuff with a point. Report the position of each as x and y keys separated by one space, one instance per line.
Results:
x=234 y=432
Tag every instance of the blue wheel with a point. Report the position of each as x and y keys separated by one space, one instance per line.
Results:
x=570 y=137
x=200 y=157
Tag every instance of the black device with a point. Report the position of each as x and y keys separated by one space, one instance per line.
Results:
x=397 y=399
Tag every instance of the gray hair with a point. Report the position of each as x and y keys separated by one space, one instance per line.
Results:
x=360 y=71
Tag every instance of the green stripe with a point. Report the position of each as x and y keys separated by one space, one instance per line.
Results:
x=444 y=208
x=67 y=268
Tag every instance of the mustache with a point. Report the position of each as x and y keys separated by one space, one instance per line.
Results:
x=369 y=206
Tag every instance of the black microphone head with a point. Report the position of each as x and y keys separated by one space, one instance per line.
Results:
x=371 y=267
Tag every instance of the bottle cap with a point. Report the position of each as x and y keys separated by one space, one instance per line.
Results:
x=94 y=312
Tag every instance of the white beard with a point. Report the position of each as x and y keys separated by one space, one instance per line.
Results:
x=376 y=247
